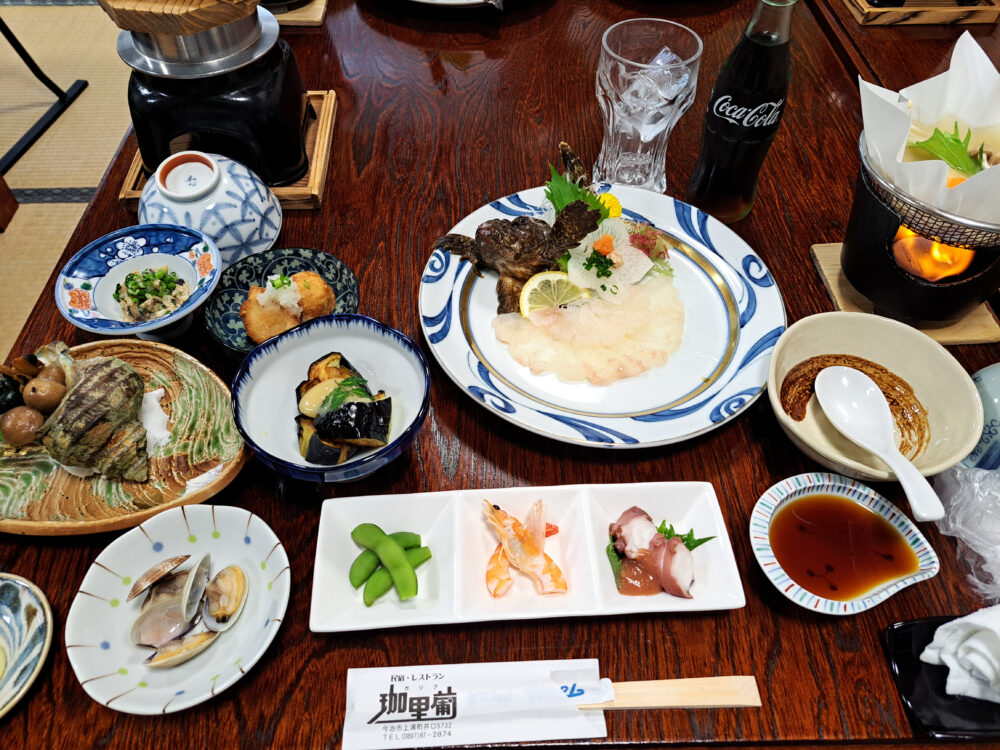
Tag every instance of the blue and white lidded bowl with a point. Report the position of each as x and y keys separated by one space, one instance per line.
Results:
x=217 y=196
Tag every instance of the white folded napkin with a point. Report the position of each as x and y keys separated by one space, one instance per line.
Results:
x=970 y=648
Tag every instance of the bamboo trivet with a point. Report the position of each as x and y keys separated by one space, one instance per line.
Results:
x=978 y=327
x=306 y=193
x=308 y=15
x=924 y=12
x=693 y=692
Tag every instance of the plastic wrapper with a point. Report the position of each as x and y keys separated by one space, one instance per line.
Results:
x=971 y=498
x=967 y=93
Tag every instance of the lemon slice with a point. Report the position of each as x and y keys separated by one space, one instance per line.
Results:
x=549 y=289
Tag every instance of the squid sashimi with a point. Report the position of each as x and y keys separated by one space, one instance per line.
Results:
x=667 y=561
x=523 y=546
x=601 y=342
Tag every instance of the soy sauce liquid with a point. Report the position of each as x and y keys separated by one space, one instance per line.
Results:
x=837 y=549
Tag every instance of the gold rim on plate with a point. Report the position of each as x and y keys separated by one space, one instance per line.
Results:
x=732 y=315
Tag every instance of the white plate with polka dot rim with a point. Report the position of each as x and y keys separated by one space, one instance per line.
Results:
x=106 y=662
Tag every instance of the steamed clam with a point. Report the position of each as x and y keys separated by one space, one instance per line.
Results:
x=181 y=649
x=166 y=588
x=194 y=586
x=160 y=623
x=224 y=598
x=185 y=610
x=154 y=574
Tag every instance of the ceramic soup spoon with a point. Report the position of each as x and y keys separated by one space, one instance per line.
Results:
x=856 y=407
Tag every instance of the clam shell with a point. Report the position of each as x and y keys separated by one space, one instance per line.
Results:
x=166 y=588
x=194 y=586
x=180 y=650
x=224 y=598
x=154 y=574
x=160 y=623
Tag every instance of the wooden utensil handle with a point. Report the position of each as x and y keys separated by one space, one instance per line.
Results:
x=694 y=692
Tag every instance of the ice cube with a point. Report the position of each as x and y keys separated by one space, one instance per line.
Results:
x=671 y=79
x=665 y=57
x=641 y=94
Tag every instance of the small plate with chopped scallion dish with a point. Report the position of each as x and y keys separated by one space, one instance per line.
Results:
x=144 y=280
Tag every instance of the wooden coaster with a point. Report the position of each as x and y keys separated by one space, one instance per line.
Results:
x=978 y=327
x=306 y=193
x=924 y=12
x=308 y=15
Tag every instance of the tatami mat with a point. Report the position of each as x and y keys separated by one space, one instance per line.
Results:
x=68 y=43
x=27 y=258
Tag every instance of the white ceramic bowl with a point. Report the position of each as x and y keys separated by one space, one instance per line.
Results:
x=106 y=662
x=940 y=383
x=819 y=483
x=265 y=406
x=217 y=196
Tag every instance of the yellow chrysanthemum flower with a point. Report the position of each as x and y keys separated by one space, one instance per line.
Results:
x=611 y=203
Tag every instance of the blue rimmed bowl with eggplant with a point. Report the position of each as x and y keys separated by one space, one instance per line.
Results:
x=332 y=400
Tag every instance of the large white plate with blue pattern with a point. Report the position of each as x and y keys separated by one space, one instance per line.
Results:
x=733 y=310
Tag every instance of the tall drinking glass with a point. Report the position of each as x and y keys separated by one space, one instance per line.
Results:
x=646 y=80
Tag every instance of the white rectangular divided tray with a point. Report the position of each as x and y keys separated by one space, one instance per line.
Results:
x=452 y=584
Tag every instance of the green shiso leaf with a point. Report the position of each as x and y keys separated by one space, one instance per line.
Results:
x=561 y=191
x=952 y=150
x=689 y=539
x=615 y=559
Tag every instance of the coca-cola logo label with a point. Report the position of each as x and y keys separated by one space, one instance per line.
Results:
x=767 y=113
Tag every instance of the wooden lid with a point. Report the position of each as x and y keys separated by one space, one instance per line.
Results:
x=175 y=17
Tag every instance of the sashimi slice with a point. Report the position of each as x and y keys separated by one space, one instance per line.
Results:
x=600 y=342
x=612 y=288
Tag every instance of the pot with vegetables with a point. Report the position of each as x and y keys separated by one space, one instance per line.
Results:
x=913 y=261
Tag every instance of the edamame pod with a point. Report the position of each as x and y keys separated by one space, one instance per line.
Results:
x=366 y=563
x=391 y=555
x=380 y=581
x=406 y=539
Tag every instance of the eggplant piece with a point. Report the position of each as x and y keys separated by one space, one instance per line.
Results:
x=332 y=366
x=10 y=393
x=317 y=450
x=361 y=423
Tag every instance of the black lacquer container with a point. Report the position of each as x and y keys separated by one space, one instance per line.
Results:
x=234 y=90
x=879 y=211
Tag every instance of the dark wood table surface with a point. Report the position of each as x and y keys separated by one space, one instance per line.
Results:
x=443 y=110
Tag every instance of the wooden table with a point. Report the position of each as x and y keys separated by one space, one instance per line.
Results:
x=441 y=111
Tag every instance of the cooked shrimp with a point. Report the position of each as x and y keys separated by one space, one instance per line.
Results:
x=523 y=546
x=498 y=578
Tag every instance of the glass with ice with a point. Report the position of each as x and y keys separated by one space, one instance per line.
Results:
x=646 y=80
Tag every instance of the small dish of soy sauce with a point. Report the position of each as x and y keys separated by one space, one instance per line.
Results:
x=834 y=545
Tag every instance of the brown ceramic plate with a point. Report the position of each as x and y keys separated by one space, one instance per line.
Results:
x=40 y=498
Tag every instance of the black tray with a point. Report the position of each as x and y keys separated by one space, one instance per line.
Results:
x=921 y=686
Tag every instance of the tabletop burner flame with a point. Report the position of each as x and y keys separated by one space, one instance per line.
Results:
x=927 y=259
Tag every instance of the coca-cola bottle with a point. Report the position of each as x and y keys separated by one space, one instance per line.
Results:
x=743 y=115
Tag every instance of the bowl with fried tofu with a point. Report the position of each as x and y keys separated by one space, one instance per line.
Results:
x=265 y=294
